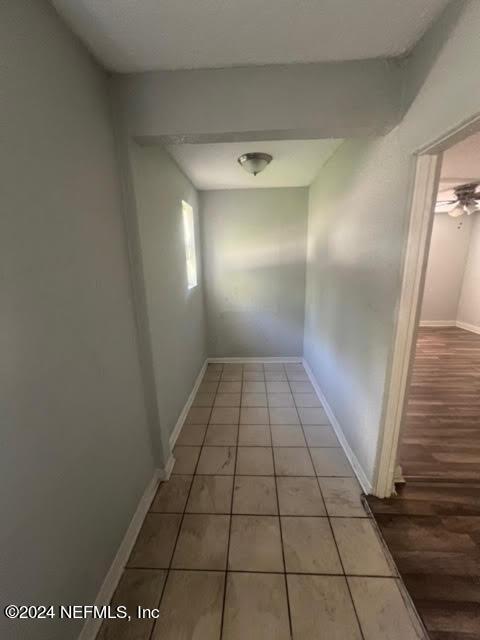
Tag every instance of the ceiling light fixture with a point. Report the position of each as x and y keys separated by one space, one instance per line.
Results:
x=254 y=162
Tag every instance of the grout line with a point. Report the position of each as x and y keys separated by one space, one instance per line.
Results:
x=222 y=620
x=181 y=524
x=281 y=531
x=331 y=528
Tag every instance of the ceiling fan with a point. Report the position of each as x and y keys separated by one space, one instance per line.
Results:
x=466 y=200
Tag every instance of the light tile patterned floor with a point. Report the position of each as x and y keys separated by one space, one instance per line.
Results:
x=260 y=532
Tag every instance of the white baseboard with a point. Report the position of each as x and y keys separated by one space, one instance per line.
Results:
x=92 y=625
x=438 y=323
x=166 y=472
x=352 y=458
x=181 y=418
x=284 y=359
x=468 y=327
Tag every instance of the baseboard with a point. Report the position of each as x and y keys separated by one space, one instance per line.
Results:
x=438 y=323
x=468 y=327
x=352 y=458
x=284 y=359
x=92 y=625
x=165 y=473
x=181 y=418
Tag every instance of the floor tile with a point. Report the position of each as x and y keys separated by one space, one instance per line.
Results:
x=297 y=377
x=191 y=435
x=254 y=399
x=210 y=494
x=290 y=435
x=255 y=495
x=253 y=366
x=280 y=400
x=352 y=534
x=217 y=461
x=198 y=415
x=330 y=462
x=222 y=434
x=231 y=375
x=300 y=497
x=137 y=587
x=277 y=386
x=309 y=545
x=283 y=415
x=225 y=415
x=203 y=399
x=382 y=611
x=342 y=497
x=254 y=375
x=254 y=386
x=255 y=435
x=202 y=543
x=227 y=400
x=172 y=495
x=156 y=540
x=298 y=386
x=191 y=606
x=185 y=459
x=229 y=386
x=254 y=415
x=312 y=415
x=322 y=602
x=307 y=400
x=256 y=607
x=254 y=461
x=320 y=436
x=275 y=376
x=212 y=375
x=255 y=544
x=292 y=461
x=274 y=366
x=207 y=386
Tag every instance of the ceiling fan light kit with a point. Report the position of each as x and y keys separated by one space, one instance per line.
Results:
x=466 y=200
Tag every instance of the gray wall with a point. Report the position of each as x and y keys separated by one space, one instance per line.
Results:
x=175 y=314
x=254 y=243
x=359 y=207
x=330 y=100
x=469 y=304
x=445 y=269
x=75 y=454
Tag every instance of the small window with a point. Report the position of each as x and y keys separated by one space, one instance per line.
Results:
x=189 y=239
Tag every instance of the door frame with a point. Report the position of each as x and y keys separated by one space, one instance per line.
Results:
x=427 y=176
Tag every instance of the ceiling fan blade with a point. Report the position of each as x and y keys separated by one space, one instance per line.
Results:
x=445 y=207
x=442 y=202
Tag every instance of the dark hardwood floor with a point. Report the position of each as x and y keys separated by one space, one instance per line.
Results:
x=432 y=527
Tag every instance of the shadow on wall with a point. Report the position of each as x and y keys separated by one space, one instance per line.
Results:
x=254 y=250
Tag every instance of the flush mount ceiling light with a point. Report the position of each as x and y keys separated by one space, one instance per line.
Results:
x=254 y=162
x=466 y=200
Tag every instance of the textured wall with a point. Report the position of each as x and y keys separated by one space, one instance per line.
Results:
x=469 y=304
x=254 y=243
x=446 y=266
x=358 y=218
x=175 y=314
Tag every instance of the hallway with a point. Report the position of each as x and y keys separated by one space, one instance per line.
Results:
x=260 y=488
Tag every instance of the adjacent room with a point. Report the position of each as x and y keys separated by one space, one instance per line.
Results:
x=432 y=523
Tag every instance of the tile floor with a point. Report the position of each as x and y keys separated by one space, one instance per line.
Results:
x=260 y=532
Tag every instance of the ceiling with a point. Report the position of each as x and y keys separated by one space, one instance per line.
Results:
x=142 y=35
x=214 y=166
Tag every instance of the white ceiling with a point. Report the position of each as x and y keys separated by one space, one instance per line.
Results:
x=141 y=35
x=214 y=166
